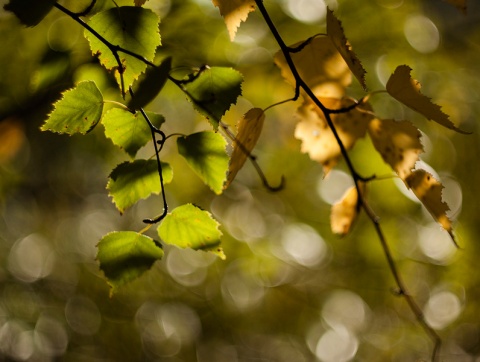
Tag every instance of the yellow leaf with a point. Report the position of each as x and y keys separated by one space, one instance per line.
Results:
x=234 y=12
x=398 y=143
x=336 y=34
x=317 y=138
x=248 y=132
x=429 y=191
x=345 y=212
x=459 y=4
x=140 y=2
x=403 y=88
x=320 y=65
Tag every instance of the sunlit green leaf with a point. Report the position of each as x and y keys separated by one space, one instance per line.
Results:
x=151 y=84
x=78 y=111
x=190 y=227
x=130 y=27
x=30 y=12
x=131 y=181
x=206 y=154
x=126 y=255
x=214 y=90
x=129 y=131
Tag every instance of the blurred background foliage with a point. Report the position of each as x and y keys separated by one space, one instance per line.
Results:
x=289 y=289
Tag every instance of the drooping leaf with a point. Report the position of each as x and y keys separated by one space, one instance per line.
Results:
x=214 y=90
x=320 y=65
x=317 y=138
x=406 y=90
x=140 y=2
x=129 y=131
x=130 y=182
x=30 y=12
x=398 y=143
x=429 y=191
x=345 y=212
x=126 y=255
x=248 y=132
x=130 y=27
x=459 y=4
x=234 y=12
x=190 y=227
x=336 y=34
x=153 y=82
x=205 y=153
x=78 y=111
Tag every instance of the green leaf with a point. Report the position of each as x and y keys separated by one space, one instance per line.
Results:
x=153 y=82
x=130 y=27
x=205 y=153
x=78 y=111
x=214 y=90
x=126 y=255
x=190 y=227
x=129 y=131
x=30 y=12
x=131 y=181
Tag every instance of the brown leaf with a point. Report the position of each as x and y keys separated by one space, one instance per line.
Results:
x=317 y=138
x=320 y=65
x=234 y=12
x=398 y=143
x=429 y=191
x=404 y=89
x=140 y=2
x=336 y=34
x=459 y=4
x=345 y=212
x=248 y=132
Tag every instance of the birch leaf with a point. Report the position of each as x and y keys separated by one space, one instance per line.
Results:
x=406 y=90
x=234 y=12
x=248 y=132
x=459 y=4
x=398 y=143
x=317 y=138
x=336 y=34
x=429 y=191
x=320 y=65
x=345 y=212
x=140 y=2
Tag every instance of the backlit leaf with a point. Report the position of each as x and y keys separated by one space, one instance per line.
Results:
x=153 y=82
x=214 y=90
x=248 y=132
x=404 y=89
x=78 y=111
x=129 y=131
x=335 y=32
x=429 y=191
x=398 y=143
x=205 y=153
x=234 y=12
x=140 y=2
x=345 y=212
x=126 y=255
x=190 y=227
x=130 y=182
x=320 y=65
x=30 y=12
x=317 y=138
x=130 y=27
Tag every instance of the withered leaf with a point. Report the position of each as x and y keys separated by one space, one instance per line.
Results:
x=234 y=12
x=345 y=212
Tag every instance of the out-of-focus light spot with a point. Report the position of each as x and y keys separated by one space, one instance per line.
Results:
x=345 y=309
x=452 y=195
x=337 y=345
x=31 y=258
x=188 y=267
x=240 y=290
x=50 y=336
x=82 y=315
x=390 y=4
x=56 y=36
x=332 y=187
x=442 y=309
x=421 y=33
x=436 y=243
x=307 y=11
x=303 y=245
x=16 y=341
